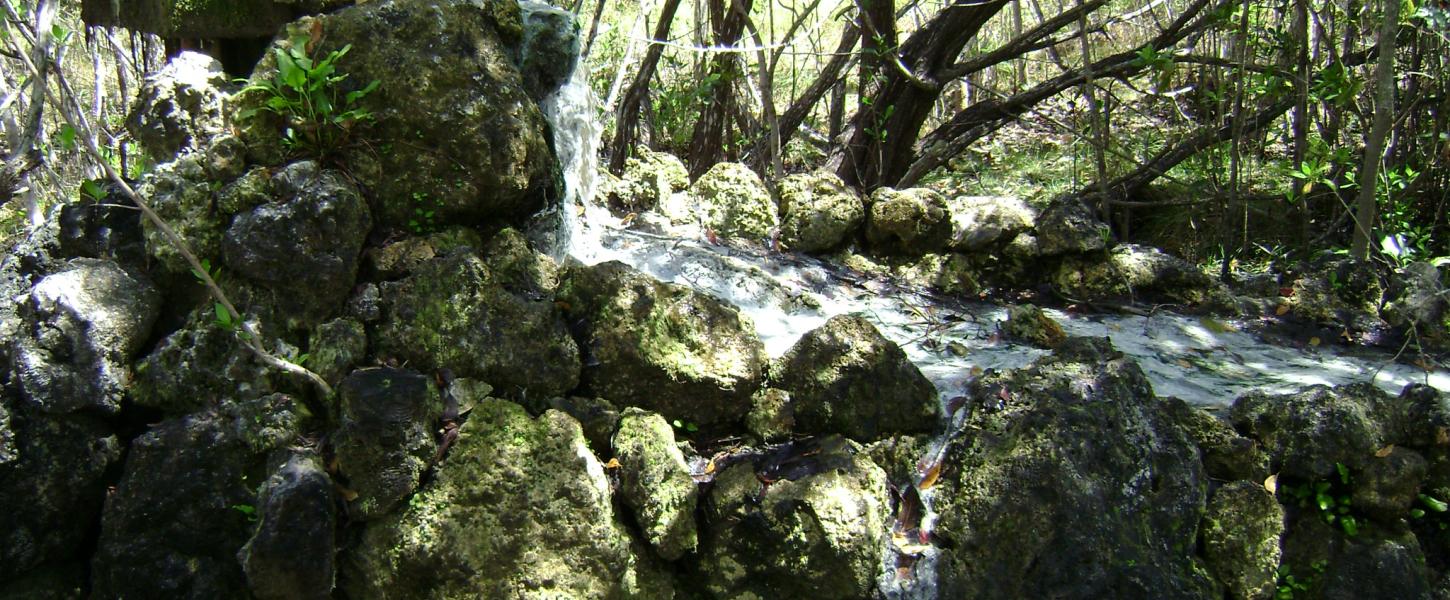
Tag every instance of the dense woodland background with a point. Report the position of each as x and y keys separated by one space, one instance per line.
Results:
x=1237 y=134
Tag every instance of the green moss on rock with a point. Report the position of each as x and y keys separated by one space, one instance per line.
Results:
x=655 y=482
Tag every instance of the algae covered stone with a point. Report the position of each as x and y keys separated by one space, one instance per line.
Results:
x=1307 y=433
x=453 y=129
x=384 y=440
x=649 y=179
x=655 y=482
x=734 y=202
x=979 y=222
x=520 y=508
x=817 y=530
x=845 y=377
x=662 y=347
x=1241 y=532
x=818 y=211
x=1067 y=480
x=1028 y=323
x=912 y=221
x=454 y=312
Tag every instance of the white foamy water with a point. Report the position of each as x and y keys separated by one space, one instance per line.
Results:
x=1207 y=363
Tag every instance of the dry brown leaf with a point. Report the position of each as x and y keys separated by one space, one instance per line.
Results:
x=1385 y=451
x=1283 y=308
x=929 y=478
x=612 y=464
x=1314 y=341
x=1271 y=483
x=347 y=494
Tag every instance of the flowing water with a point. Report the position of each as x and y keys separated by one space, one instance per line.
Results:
x=1203 y=361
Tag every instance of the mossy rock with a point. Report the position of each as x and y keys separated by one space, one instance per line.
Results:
x=734 y=202
x=818 y=212
x=520 y=509
x=662 y=347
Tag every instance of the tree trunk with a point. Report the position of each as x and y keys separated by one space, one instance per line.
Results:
x=1366 y=211
x=626 y=123
x=712 y=142
x=882 y=136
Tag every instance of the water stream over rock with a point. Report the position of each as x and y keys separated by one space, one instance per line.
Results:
x=1205 y=361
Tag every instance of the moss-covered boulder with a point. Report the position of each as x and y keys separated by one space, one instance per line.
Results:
x=1069 y=226
x=734 y=202
x=78 y=329
x=384 y=438
x=549 y=49
x=650 y=178
x=1307 y=433
x=183 y=194
x=1027 y=323
x=53 y=476
x=1389 y=484
x=520 y=509
x=845 y=377
x=772 y=416
x=980 y=222
x=913 y=221
x=1227 y=455
x=455 y=312
x=336 y=347
x=1134 y=272
x=808 y=520
x=195 y=365
x=186 y=501
x=518 y=267
x=655 y=482
x=1068 y=480
x=817 y=211
x=662 y=347
x=304 y=245
x=1419 y=299
x=453 y=133
x=1339 y=291
x=1241 y=530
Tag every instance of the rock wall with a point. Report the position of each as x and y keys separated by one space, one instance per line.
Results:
x=503 y=426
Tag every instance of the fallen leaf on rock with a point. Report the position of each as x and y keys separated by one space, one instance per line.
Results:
x=1271 y=483
x=612 y=464
x=1283 y=308
x=1314 y=341
x=1385 y=451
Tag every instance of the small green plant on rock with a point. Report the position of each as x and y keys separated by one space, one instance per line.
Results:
x=1330 y=498
x=308 y=95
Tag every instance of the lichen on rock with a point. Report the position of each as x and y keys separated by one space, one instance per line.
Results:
x=818 y=212
x=520 y=509
x=662 y=347
x=844 y=377
x=912 y=221
x=655 y=482
x=734 y=202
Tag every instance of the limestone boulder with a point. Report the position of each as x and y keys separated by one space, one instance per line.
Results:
x=734 y=202
x=455 y=312
x=1241 y=530
x=818 y=212
x=655 y=482
x=662 y=347
x=384 y=440
x=817 y=530
x=845 y=377
x=78 y=330
x=290 y=555
x=1069 y=226
x=520 y=508
x=186 y=502
x=304 y=245
x=453 y=133
x=181 y=107
x=980 y=222
x=1073 y=465
x=913 y=221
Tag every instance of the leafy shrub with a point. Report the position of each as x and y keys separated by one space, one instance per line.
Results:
x=308 y=95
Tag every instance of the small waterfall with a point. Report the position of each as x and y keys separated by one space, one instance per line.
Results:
x=571 y=112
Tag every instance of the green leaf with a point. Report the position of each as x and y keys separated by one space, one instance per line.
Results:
x=354 y=96
x=1434 y=504
x=223 y=316
x=93 y=190
x=291 y=74
x=1349 y=525
x=67 y=137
